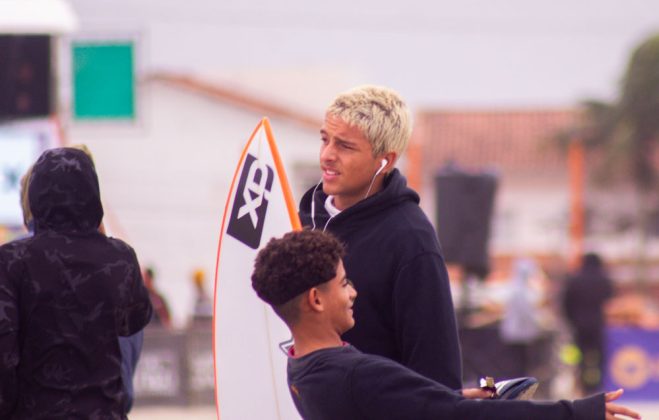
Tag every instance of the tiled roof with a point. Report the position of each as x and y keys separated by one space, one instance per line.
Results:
x=504 y=140
x=237 y=98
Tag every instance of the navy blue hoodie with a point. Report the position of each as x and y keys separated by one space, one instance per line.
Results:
x=404 y=310
x=66 y=294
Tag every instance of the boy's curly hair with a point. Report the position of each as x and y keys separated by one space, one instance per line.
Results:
x=294 y=263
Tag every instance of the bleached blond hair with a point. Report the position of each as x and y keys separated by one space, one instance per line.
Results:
x=25 y=203
x=379 y=112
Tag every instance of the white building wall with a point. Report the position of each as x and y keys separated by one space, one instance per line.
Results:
x=165 y=180
x=532 y=219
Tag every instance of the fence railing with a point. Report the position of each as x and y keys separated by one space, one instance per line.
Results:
x=175 y=368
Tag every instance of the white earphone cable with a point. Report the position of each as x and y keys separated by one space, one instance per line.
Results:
x=384 y=163
x=313 y=205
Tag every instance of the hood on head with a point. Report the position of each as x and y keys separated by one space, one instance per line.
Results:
x=63 y=192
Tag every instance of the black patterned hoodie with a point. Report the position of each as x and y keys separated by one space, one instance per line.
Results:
x=65 y=295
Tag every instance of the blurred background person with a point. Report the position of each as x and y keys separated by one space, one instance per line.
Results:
x=203 y=306
x=161 y=315
x=585 y=294
x=520 y=325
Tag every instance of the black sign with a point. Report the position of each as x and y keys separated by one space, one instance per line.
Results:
x=251 y=202
x=25 y=79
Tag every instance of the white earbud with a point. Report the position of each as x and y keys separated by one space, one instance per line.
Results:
x=382 y=165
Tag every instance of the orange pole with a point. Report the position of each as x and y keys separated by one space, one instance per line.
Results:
x=59 y=129
x=415 y=155
x=576 y=164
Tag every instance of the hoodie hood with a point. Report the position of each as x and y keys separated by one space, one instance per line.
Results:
x=394 y=191
x=63 y=192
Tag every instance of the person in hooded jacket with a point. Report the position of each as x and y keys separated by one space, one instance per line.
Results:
x=66 y=294
x=583 y=300
x=131 y=346
x=405 y=311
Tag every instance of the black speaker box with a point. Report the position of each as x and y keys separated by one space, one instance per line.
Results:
x=25 y=81
x=464 y=207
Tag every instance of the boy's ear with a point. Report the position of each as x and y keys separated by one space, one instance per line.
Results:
x=313 y=300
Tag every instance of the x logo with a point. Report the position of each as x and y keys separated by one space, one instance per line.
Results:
x=252 y=197
x=254 y=191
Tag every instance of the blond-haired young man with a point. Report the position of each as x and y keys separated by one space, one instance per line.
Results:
x=405 y=311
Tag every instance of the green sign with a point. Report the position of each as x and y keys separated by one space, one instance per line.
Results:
x=103 y=81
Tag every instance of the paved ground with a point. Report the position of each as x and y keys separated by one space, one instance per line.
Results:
x=173 y=413
x=649 y=411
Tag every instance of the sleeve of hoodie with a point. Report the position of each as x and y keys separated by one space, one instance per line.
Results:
x=383 y=389
x=426 y=329
x=134 y=312
x=9 y=326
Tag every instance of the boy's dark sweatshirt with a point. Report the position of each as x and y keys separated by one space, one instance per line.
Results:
x=343 y=383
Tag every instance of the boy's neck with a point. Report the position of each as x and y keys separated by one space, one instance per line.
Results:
x=307 y=342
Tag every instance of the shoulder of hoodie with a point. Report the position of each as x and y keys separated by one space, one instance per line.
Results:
x=338 y=359
x=120 y=245
x=12 y=258
x=14 y=249
x=17 y=248
x=403 y=217
x=407 y=230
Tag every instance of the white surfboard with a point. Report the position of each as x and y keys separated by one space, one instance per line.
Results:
x=250 y=367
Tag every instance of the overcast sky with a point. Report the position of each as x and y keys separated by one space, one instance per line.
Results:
x=467 y=53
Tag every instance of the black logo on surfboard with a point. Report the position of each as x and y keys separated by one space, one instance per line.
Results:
x=251 y=202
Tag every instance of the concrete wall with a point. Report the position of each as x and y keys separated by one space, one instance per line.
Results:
x=531 y=214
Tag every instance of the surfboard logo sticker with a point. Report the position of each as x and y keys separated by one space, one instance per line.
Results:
x=251 y=202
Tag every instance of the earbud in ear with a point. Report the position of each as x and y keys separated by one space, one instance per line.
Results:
x=383 y=163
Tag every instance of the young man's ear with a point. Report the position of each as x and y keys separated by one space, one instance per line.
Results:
x=390 y=157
